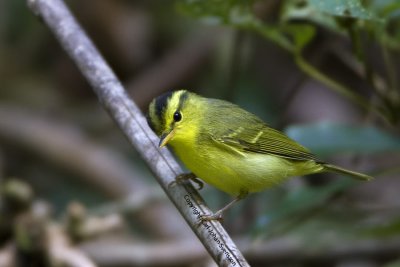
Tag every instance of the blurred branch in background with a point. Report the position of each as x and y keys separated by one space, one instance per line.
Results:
x=7 y=256
x=38 y=241
x=85 y=241
x=278 y=251
x=62 y=253
x=100 y=166
x=67 y=146
x=290 y=250
x=123 y=253
x=129 y=118
x=41 y=241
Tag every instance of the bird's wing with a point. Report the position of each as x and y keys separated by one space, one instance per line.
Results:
x=264 y=140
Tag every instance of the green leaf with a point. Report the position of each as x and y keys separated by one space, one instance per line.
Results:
x=328 y=13
x=330 y=138
x=301 y=10
x=344 y=8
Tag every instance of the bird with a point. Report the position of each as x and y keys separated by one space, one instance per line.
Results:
x=229 y=147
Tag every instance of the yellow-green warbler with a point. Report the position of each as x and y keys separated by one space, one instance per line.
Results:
x=230 y=148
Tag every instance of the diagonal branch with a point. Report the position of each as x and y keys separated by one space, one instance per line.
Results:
x=129 y=118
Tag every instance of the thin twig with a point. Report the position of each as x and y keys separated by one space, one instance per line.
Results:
x=129 y=118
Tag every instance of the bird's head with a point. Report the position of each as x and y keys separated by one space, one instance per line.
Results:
x=173 y=116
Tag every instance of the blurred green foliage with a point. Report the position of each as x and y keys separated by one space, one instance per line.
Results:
x=296 y=208
x=296 y=27
x=344 y=8
x=328 y=139
x=380 y=21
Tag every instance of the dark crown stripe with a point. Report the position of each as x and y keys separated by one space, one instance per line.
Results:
x=182 y=100
x=161 y=104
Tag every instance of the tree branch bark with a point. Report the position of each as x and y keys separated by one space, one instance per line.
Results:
x=129 y=118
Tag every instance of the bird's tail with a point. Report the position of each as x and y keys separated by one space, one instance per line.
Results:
x=356 y=175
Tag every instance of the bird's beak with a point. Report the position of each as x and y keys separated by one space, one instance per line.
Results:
x=165 y=137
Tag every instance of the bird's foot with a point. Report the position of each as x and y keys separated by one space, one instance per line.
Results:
x=187 y=176
x=211 y=217
x=218 y=215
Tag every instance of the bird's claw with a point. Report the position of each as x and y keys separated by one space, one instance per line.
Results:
x=187 y=176
x=199 y=183
x=172 y=184
x=211 y=217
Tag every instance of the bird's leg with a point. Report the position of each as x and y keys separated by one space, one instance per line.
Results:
x=218 y=215
x=187 y=176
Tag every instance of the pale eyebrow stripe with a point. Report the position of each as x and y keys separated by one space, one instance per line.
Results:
x=182 y=99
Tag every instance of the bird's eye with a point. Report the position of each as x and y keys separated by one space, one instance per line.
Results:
x=177 y=116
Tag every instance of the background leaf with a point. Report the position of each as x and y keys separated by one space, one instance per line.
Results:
x=331 y=138
x=344 y=8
